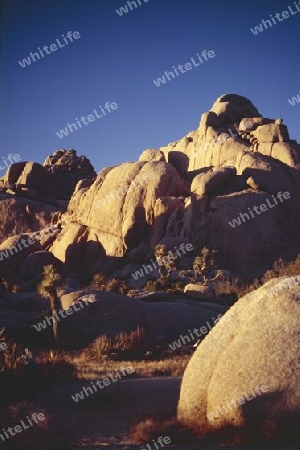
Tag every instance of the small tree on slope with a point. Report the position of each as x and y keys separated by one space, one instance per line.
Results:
x=48 y=289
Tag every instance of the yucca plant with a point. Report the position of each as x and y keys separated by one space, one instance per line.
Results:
x=99 y=282
x=48 y=289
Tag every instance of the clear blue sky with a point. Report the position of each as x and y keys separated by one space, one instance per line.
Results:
x=117 y=58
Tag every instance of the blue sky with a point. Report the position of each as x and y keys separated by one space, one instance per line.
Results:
x=117 y=58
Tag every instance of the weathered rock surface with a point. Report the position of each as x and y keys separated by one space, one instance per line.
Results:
x=152 y=154
x=19 y=215
x=235 y=161
x=109 y=313
x=211 y=181
x=32 y=266
x=117 y=212
x=97 y=313
x=200 y=292
x=231 y=126
x=256 y=343
x=54 y=181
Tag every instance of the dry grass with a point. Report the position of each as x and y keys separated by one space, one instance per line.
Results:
x=150 y=429
x=172 y=367
x=23 y=377
x=281 y=269
x=123 y=345
x=47 y=434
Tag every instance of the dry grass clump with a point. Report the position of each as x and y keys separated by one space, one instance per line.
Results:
x=246 y=288
x=23 y=375
x=101 y=283
x=47 y=434
x=150 y=429
x=171 y=367
x=122 y=346
x=281 y=269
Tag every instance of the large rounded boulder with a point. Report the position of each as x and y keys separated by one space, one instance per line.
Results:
x=245 y=375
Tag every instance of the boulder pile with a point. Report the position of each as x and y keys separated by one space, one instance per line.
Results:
x=190 y=190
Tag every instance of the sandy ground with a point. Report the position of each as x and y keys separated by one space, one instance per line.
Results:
x=106 y=416
x=104 y=419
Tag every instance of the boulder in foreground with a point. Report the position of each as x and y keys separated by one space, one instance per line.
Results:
x=245 y=375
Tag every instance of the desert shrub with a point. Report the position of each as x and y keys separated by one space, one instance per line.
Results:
x=245 y=288
x=165 y=267
x=152 y=286
x=281 y=269
x=54 y=368
x=4 y=285
x=99 y=282
x=46 y=434
x=23 y=375
x=118 y=286
x=150 y=429
x=205 y=262
x=165 y=284
x=121 y=346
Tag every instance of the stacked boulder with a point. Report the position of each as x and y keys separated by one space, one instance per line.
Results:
x=200 y=190
x=52 y=183
x=234 y=162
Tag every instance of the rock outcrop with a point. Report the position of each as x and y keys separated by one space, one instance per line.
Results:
x=51 y=183
x=256 y=343
x=202 y=189
x=117 y=212
x=98 y=313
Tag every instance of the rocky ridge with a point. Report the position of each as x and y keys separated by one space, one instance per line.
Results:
x=187 y=191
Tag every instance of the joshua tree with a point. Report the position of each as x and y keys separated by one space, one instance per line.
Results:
x=205 y=263
x=47 y=288
x=165 y=267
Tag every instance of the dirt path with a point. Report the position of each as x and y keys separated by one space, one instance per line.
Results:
x=103 y=420
x=106 y=416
